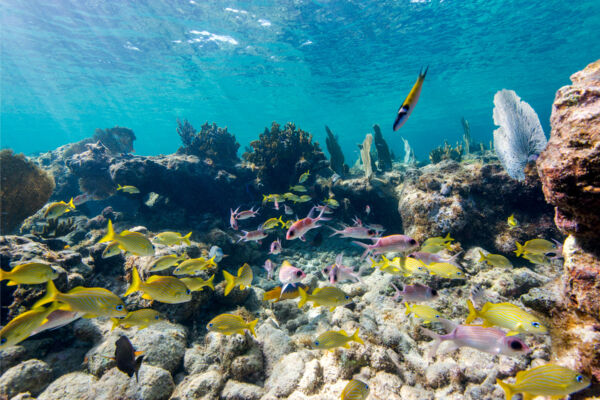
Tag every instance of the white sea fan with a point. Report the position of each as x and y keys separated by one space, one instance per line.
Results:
x=409 y=154
x=520 y=134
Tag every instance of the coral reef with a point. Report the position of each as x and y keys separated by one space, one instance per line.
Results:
x=336 y=159
x=384 y=160
x=466 y=134
x=91 y=168
x=211 y=143
x=282 y=154
x=365 y=155
x=117 y=140
x=446 y=152
x=520 y=137
x=24 y=189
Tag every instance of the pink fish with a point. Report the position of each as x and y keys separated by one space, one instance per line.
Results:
x=300 y=227
x=289 y=274
x=82 y=198
x=368 y=209
x=269 y=267
x=339 y=272
x=355 y=232
x=56 y=319
x=275 y=247
x=251 y=213
x=489 y=340
x=389 y=243
x=428 y=258
x=276 y=205
x=232 y=220
x=253 y=236
x=356 y=221
x=415 y=293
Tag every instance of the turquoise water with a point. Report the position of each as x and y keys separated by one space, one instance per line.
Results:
x=71 y=67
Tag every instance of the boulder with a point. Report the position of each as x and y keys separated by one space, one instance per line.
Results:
x=30 y=376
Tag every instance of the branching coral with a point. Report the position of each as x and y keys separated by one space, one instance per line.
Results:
x=282 y=154
x=336 y=159
x=56 y=228
x=24 y=189
x=446 y=152
x=212 y=143
x=117 y=140
x=384 y=160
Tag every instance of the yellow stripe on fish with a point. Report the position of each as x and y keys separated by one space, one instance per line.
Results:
x=58 y=208
x=426 y=313
x=29 y=274
x=172 y=238
x=229 y=324
x=198 y=284
x=133 y=242
x=21 y=327
x=166 y=262
x=140 y=318
x=194 y=266
x=332 y=339
x=328 y=296
x=243 y=279
x=506 y=315
x=166 y=289
x=355 y=390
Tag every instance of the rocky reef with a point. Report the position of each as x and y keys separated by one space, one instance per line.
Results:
x=211 y=144
x=336 y=157
x=446 y=152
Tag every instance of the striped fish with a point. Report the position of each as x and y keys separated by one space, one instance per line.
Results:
x=355 y=390
x=92 y=302
x=545 y=380
x=332 y=339
x=506 y=315
x=410 y=102
x=426 y=313
x=243 y=279
x=165 y=289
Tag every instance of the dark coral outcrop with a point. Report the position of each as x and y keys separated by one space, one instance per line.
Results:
x=211 y=143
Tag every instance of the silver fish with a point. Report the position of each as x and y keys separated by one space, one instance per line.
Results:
x=217 y=253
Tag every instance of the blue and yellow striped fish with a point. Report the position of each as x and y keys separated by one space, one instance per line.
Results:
x=506 y=315
x=355 y=390
x=410 y=102
x=165 y=289
x=545 y=380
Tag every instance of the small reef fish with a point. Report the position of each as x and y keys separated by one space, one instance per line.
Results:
x=288 y=210
x=269 y=267
x=545 y=380
x=410 y=102
x=125 y=357
x=288 y=223
x=56 y=319
x=274 y=197
x=22 y=326
x=289 y=195
x=246 y=214
x=92 y=302
x=29 y=274
x=367 y=209
x=272 y=223
x=216 y=253
x=166 y=262
x=58 y=208
x=415 y=293
x=426 y=313
x=289 y=274
x=193 y=266
x=495 y=260
x=506 y=315
x=291 y=291
x=128 y=189
x=326 y=209
x=535 y=246
x=438 y=240
x=355 y=232
x=536 y=258
x=332 y=339
x=198 y=284
x=172 y=238
x=230 y=324
x=388 y=244
x=435 y=248
x=331 y=202
x=304 y=198
x=488 y=340
x=298 y=188
x=512 y=221
x=82 y=199
x=445 y=270
x=253 y=236
x=133 y=242
x=339 y=272
x=276 y=247
x=379 y=228
x=328 y=296
x=355 y=390
x=141 y=318
x=232 y=221
x=302 y=226
x=165 y=289
x=304 y=177
x=243 y=279
x=407 y=266
x=428 y=258
x=112 y=249
x=294 y=197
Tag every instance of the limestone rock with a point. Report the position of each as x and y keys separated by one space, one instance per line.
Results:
x=73 y=386
x=30 y=376
x=235 y=390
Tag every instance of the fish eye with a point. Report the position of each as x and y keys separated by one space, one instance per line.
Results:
x=210 y=324
x=579 y=378
x=434 y=292
x=188 y=291
x=120 y=307
x=3 y=340
x=437 y=316
x=535 y=324
x=157 y=317
x=366 y=386
x=291 y=233
x=459 y=273
x=347 y=297
x=413 y=241
x=298 y=273
x=371 y=232
x=516 y=345
x=317 y=343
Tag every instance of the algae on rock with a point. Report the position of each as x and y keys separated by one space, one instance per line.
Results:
x=384 y=160
x=336 y=160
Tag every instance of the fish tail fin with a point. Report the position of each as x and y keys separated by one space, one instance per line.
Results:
x=138 y=364
x=519 y=250
x=508 y=390
x=398 y=293
x=481 y=257
x=50 y=296
x=422 y=74
x=230 y=279
x=356 y=338
x=303 y=297
x=110 y=234
x=436 y=341
x=71 y=204
x=407 y=308
x=119 y=187
x=186 y=238
x=251 y=325
x=136 y=282
x=210 y=283
x=473 y=314
x=4 y=274
x=115 y=323
x=364 y=246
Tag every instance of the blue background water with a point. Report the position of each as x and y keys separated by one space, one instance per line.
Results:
x=69 y=67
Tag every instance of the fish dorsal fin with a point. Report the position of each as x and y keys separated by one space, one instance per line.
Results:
x=77 y=289
x=153 y=278
x=520 y=375
x=317 y=290
x=343 y=332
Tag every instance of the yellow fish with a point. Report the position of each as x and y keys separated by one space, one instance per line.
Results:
x=408 y=265
x=536 y=258
x=140 y=318
x=288 y=223
x=291 y=292
x=197 y=284
x=230 y=324
x=166 y=262
x=243 y=278
x=304 y=198
x=112 y=249
x=506 y=315
x=545 y=380
x=304 y=177
x=331 y=202
x=289 y=195
x=332 y=339
x=426 y=313
x=21 y=327
x=273 y=198
x=29 y=274
x=93 y=302
x=193 y=266
x=165 y=289
x=410 y=102
x=445 y=270
x=295 y=198
x=512 y=221
x=355 y=390
x=438 y=240
x=58 y=208
x=328 y=296
x=128 y=189
x=495 y=260
x=435 y=248
x=298 y=188
x=133 y=242
x=535 y=246
x=272 y=223
x=172 y=238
